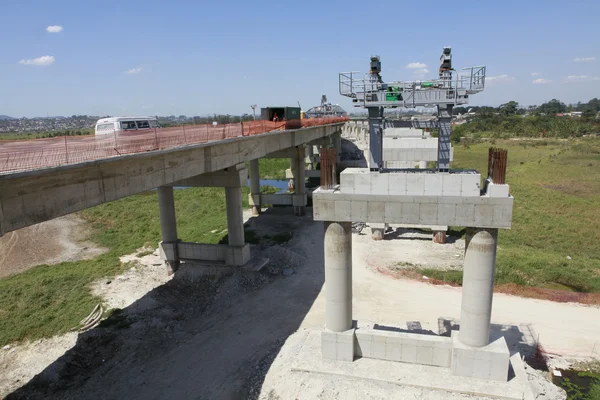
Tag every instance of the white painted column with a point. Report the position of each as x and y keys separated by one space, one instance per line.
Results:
x=338 y=276
x=422 y=164
x=255 y=187
x=235 y=218
x=168 y=227
x=478 y=287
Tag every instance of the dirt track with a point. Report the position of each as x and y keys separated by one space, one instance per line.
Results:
x=51 y=242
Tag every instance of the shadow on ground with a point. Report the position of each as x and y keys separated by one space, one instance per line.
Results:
x=410 y=234
x=203 y=336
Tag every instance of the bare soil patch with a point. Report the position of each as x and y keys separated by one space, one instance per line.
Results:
x=51 y=242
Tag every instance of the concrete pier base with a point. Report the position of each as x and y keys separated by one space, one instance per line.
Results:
x=378 y=230
x=168 y=227
x=338 y=276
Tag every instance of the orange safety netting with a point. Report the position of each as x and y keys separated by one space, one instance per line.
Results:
x=23 y=155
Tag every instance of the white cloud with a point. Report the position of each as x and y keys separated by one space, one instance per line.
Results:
x=536 y=74
x=540 y=81
x=581 y=78
x=585 y=59
x=421 y=71
x=416 y=65
x=499 y=79
x=133 y=71
x=54 y=28
x=40 y=61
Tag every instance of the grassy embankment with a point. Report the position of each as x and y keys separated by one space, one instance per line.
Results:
x=556 y=185
x=48 y=300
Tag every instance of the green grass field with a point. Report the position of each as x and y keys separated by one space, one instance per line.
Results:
x=47 y=300
x=556 y=185
x=273 y=168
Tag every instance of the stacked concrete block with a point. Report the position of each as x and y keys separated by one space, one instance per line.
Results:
x=338 y=346
x=404 y=347
x=414 y=183
x=490 y=362
x=495 y=189
x=486 y=212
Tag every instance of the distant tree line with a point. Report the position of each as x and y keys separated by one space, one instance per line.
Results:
x=552 y=107
x=198 y=120
x=510 y=120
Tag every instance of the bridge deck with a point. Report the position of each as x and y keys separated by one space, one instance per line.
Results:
x=24 y=155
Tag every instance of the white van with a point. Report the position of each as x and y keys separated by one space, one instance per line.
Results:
x=119 y=124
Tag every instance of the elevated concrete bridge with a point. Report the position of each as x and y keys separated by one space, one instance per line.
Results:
x=31 y=197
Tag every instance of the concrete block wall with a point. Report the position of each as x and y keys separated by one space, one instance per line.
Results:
x=338 y=346
x=404 y=347
x=490 y=362
x=480 y=211
x=218 y=253
x=363 y=181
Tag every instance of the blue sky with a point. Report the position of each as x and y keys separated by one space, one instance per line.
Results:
x=199 y=58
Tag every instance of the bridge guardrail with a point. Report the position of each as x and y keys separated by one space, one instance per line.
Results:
x=26 y=155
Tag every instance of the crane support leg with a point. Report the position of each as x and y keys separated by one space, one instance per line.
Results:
x=376 y=138
x=445 y=117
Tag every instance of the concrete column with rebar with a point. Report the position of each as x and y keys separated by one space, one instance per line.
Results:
x=338 y=276
x=168 y=227
x=254 y=187
x=478 y=287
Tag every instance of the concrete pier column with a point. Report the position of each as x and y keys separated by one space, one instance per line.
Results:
x=478 y=287
x=338 y=276
x=255 y=187
x=168 y=228
x=336 y=139
x=299 y=179
x=235 y=217
x=422 y=164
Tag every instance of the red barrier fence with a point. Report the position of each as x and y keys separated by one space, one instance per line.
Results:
x=24 y=155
